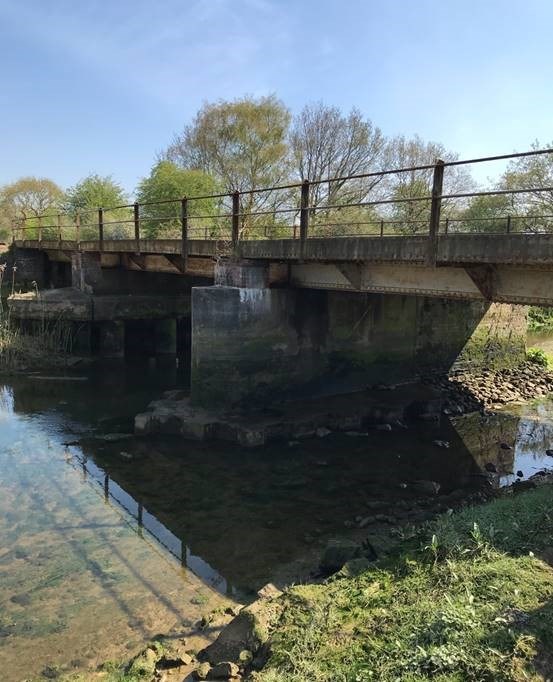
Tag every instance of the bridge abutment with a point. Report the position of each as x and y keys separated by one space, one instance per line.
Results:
x=252 y=345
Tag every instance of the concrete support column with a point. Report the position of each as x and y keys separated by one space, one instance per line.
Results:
x=165 y=335
x=111 y=339
x=86 y=271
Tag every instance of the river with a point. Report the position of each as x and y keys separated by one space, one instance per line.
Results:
x=105 y=542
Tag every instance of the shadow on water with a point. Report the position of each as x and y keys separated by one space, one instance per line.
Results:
x=237 y=518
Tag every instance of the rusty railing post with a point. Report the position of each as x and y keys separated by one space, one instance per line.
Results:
x=435 y=208
x=304 y=216
x=508 y=224
x=59 y=230
x=381 y=228
x=136 y=209
x=446 y=228
x=235 y=218
x=39 y=231
x=101 y=228
x=184 y=231
x=78 y=230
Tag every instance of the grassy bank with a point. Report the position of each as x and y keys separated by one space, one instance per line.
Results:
x=472 y=600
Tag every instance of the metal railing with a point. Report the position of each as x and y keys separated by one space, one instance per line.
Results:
x=289 y=212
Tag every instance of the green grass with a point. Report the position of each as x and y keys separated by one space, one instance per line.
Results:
x=472 y=601
x=540 y=319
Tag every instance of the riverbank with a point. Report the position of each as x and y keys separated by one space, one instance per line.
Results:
x=465 y=597
x=470 y=598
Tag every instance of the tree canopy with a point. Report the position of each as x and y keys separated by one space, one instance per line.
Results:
x=22 y=201
x=168 y=182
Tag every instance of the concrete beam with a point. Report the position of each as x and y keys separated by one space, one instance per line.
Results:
x=505 y=284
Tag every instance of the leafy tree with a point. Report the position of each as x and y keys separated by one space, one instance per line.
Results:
x=532 y=172
x=414 y=216
x=22 y=201
x=242 y=144
x=486 y=213
x=328 y=144
x=167 y=181
x=93 y=192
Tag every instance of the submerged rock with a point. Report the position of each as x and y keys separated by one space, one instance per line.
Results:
x=337 y=553
x=224 y=670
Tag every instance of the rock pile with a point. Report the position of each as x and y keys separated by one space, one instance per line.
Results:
x=470 y=391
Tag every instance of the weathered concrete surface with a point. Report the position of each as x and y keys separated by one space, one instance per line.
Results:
x=355 y=412
x=527 y=249
x=253 y=346
x=72 y=304
x=526 y=285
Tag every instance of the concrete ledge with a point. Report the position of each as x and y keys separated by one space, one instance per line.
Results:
x=71 y=304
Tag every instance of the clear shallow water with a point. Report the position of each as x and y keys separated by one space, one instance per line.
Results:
x=105 y=544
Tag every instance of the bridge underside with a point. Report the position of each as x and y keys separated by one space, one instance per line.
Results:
x=513 y=268
x=502 y=284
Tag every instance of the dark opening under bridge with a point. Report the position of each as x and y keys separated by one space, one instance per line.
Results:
x=308 y=297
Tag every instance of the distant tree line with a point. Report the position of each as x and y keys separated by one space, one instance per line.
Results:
x=256 y=143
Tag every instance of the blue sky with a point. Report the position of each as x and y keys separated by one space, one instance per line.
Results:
x=97 y=86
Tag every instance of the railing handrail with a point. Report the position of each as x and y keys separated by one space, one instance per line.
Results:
x=343 y=178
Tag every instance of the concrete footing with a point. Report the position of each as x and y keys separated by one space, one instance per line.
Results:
x=356 y=413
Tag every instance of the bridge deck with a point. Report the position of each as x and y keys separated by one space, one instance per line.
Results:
x=493 y=249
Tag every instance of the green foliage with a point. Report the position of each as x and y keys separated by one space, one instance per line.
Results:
x=95 y=192
x=537 y=356
x=487 y=214
x=167 y=181
x=22 y=201
x=473 y=603
x=540 y=319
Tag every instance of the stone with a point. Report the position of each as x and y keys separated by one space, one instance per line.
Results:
x=441 y=443
x=383 y=427
x=426 y=487
x=125 y=455
x=490 y=466
x=269 y=591
x=354 y=567
x=549 y=453
x=322 y=432
x=224 y=670
x=114 y=437
x=249 y=630
x=336 y=554
x=145 y=662
x=202 y=671
x=520 y=474
x=505 y=446
x=366 y=521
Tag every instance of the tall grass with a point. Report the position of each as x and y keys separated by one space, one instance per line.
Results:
x=47 y=345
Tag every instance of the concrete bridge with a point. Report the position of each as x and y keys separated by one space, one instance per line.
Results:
x=508 y=268
x=305 y=315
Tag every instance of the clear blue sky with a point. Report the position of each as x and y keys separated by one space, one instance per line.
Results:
x=101 y=86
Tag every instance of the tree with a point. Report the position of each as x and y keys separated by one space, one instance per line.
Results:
x=328 y=144
x=532 y=172
x=414 y=216
x=22 y=201
x=487 y=213
x=168 y=182
x=242 y=144
x=94 y=192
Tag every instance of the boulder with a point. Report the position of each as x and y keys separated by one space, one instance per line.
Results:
x=248 y=631
x=224 y=670
x=337 y=553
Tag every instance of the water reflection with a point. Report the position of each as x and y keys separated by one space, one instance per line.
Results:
x=96 y=537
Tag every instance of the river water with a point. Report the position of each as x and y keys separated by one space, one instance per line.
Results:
x=104 y=543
